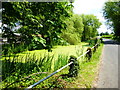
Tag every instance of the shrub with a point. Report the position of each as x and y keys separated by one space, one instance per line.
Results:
x=13 y=48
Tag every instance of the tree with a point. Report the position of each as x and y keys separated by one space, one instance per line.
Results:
x=105 y=33
x=91 y=24
x=46 y=19
x=111 y=12
x=74 y=29
x=78 y=25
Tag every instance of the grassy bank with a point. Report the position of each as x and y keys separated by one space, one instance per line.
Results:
x=24 y=69
x=87 y=73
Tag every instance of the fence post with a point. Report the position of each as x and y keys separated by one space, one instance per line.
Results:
x=97 y=45
x=89 y=53
x=94 y=50
x=101 y=40
x=74 y=67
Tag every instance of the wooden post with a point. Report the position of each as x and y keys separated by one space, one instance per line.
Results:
x=101 y=40
x=96 y=40
x=89 y=53
x=74 y=67
x=94 y=50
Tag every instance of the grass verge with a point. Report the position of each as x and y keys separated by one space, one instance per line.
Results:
x=87 y=74
x=27 y=67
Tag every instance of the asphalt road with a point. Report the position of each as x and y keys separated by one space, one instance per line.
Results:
x=108 y=74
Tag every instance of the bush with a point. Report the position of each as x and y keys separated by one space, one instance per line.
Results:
x=13 y=48
x=93 y=41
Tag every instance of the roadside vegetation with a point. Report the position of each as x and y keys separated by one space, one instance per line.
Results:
x=24 y=69
x=40 y=39
x=108 y=36
x=111 y=12
x=39 y=29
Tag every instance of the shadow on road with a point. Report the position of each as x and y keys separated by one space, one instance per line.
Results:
x=109 y=41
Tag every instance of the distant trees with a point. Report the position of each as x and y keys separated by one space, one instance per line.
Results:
x=81 y=28
x=104 y=33
x=74 y=30
x=91 y=24
x=111 y=12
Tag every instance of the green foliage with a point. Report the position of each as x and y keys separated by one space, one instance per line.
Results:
x=106 y=33
x=94 y=41
x=43 y=25
x=8 y=49
x=71 y=38
x=62 y=42
x=74 y=29
x=91 y=24
x=107 y=36
x=61 y=61
x=89 y=54
x=24 y=70
x=74 y=67
x=111 y=12
x=16 y=68
x=78 y=25
x=37 y=43
x=42 y=18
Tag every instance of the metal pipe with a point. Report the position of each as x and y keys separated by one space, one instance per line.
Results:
x=82 y=55
x=85 y=53
x=31 y=86
x=94 y=46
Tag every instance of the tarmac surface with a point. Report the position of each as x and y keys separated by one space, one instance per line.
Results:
x=108 y=74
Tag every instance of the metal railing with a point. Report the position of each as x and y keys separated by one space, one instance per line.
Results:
x=31 y=86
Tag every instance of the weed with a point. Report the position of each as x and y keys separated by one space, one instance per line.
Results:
x=16 y=67
x=21 y=71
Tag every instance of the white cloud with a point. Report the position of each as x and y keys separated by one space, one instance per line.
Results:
x=103 y=28
x=87 y=6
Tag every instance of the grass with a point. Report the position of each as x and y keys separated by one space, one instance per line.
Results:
x=65 y=50
x=88 y=72
x=28 y=63
x=57 y=50
x=15 y=72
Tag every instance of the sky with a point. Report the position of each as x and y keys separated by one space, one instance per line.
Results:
x=92 y=7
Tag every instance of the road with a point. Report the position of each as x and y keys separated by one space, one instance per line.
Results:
x=108 y=74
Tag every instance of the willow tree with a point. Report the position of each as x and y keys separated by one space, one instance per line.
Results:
x=74 y=30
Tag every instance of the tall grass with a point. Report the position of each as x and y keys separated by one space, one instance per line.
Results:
x=21 y=71
x=18 y=67
x=60 y=62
